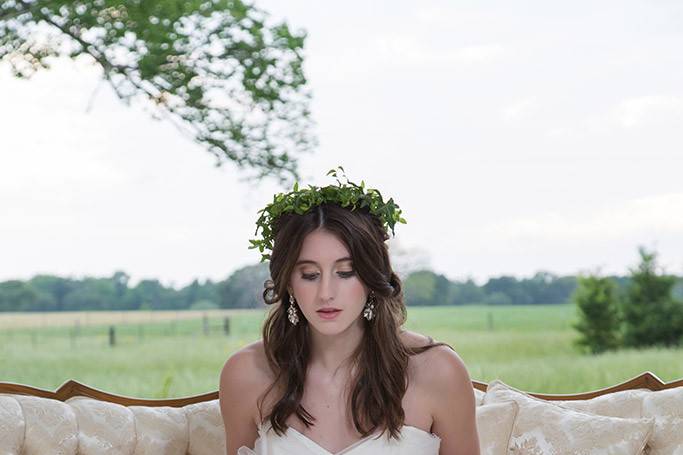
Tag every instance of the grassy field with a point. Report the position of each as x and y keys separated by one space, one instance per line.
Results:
x=171 y=354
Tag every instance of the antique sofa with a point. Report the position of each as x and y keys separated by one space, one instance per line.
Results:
x=642 y=415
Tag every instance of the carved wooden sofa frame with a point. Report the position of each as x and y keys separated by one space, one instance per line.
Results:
x=71 y=388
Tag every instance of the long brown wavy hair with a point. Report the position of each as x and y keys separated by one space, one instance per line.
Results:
x=381 y=359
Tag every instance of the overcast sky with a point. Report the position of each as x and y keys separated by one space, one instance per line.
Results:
x=515 y=136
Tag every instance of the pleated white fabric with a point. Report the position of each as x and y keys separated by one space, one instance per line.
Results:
x=413 y=441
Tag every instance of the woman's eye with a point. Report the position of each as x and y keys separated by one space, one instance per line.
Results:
x=312 y=276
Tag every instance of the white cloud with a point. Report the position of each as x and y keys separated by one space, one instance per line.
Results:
x=638 y=112
x=410 y=50
x=519 y=109
x=661 y=214
x=562 y=132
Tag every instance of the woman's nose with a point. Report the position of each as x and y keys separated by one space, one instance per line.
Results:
x=326 y=287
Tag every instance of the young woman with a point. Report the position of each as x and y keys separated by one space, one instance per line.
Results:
x=335 y=370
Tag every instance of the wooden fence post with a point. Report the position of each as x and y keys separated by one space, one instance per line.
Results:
x=205 y=322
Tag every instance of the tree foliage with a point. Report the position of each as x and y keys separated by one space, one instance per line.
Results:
x=218 y=69
x=651 y=315
x=424 y=287
x=598 y=311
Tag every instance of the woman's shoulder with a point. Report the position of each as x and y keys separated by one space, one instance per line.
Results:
x=249 y=363
x=247 y=370
x=435 y=361
x=414 y=340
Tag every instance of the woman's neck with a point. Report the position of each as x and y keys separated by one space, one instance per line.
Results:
x=330 y=353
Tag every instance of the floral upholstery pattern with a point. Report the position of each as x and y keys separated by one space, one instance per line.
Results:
x=86 y=426
x=12 y=425
x=495 y=422
x=544 y=428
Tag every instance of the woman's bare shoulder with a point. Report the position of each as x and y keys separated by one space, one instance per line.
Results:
x=249 y=363
x=423 y=365
x=440 y=366
x=247 y=370
x=413 y=339
x=243 y=380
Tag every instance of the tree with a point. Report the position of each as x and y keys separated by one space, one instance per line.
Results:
x=497 y=298
x=120 y=280
x=651 y=315
x=425 y=287
x=16 y=295
x=597 y=307
x=57 y=287
x=244 y=288
x=509 y=286
x=468 y=292
x=214 y=68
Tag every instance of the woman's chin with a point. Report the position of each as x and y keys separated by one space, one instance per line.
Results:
x=332 y=327
x=328 y=327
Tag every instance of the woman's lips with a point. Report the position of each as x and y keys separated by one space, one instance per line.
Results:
x=328 y=314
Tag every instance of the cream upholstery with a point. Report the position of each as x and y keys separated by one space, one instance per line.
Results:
x=545 y=428
x=625 y=404
x=665 y=406
x=85 y=426
x=12 y=425
x=509 y=422
x=478 y=397
x=160 y=429
x=495 y=422
x=51 y=426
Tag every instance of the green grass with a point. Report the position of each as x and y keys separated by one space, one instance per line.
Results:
x=528 y=347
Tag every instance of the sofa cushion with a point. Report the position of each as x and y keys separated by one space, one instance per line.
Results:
x=103 y=427
x=624 y=403
x=162 y=429
x=494 y=425
x=207 y=433
x=478 y=397
x=12 y=426
x=545 y=428
x=666 y=406
x=51 y=426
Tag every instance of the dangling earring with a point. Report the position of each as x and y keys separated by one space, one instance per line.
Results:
x=369 y=310
x=291 y=311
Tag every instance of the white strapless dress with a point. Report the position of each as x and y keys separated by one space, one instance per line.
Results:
x=413 y=441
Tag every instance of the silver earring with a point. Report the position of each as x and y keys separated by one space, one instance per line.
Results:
x=369 y=310
x=291 y=311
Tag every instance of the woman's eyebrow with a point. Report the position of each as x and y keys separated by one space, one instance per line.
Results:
x=308 y=261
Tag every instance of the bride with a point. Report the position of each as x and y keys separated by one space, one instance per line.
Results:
x=335 y=370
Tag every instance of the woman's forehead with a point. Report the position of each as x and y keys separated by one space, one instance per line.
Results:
x=322 y=245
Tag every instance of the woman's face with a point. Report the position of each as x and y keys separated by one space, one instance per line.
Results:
x=324 y=277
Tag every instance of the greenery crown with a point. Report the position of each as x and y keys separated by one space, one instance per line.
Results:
x=344 y=195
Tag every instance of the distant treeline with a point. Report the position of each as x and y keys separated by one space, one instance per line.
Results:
x=243 y=289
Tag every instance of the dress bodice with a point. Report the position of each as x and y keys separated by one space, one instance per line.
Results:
x=413 y=441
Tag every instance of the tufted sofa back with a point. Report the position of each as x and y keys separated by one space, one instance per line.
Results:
x=80 y=420
x=81 y=425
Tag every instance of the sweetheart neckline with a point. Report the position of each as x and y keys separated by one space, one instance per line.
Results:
x=353 y=445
